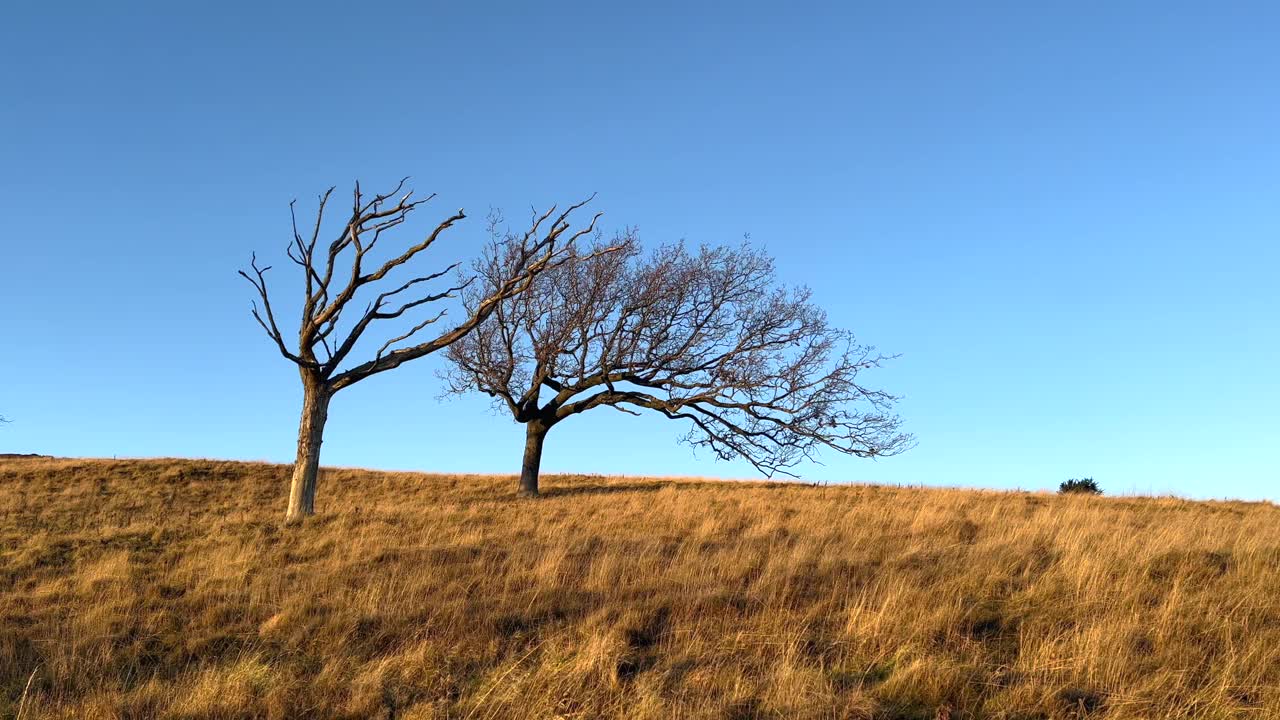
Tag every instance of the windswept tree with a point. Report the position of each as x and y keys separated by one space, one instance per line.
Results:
x=708 y=338
x=346 y=292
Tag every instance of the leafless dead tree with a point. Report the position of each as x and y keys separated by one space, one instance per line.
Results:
x=337 y=274
x=706 y=337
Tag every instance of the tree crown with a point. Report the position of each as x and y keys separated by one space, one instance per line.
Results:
x=337 y=274
x=705 y=336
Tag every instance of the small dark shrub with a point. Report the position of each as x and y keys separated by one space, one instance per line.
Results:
x=1083 y=486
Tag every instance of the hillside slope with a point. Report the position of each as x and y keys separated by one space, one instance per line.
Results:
x=140 y=589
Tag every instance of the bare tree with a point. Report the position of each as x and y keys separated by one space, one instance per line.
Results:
x=337 y=274
x=706 y=337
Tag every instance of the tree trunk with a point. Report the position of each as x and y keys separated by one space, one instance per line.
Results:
x=306 y=467
x=535 y=434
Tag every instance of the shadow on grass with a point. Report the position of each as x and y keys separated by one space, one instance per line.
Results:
x=604 y=489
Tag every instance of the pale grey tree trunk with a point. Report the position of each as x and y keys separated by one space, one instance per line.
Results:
x=306 y=467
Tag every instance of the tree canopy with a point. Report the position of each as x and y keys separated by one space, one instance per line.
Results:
x=707 y=337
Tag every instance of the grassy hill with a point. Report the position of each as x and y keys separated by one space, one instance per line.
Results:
x=140 y=589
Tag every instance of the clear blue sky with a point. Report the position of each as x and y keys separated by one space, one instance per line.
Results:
x=1064 y=215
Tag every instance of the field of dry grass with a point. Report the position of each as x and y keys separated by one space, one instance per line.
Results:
x=169 y=589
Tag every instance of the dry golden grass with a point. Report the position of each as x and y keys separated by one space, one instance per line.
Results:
x=168 y=589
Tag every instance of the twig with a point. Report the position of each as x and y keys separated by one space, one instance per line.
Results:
x=23 y=701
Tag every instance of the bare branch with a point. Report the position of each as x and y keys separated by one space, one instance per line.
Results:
x=259 y=282
x=411 y=333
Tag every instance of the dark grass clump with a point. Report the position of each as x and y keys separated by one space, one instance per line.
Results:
x=1081 y=486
